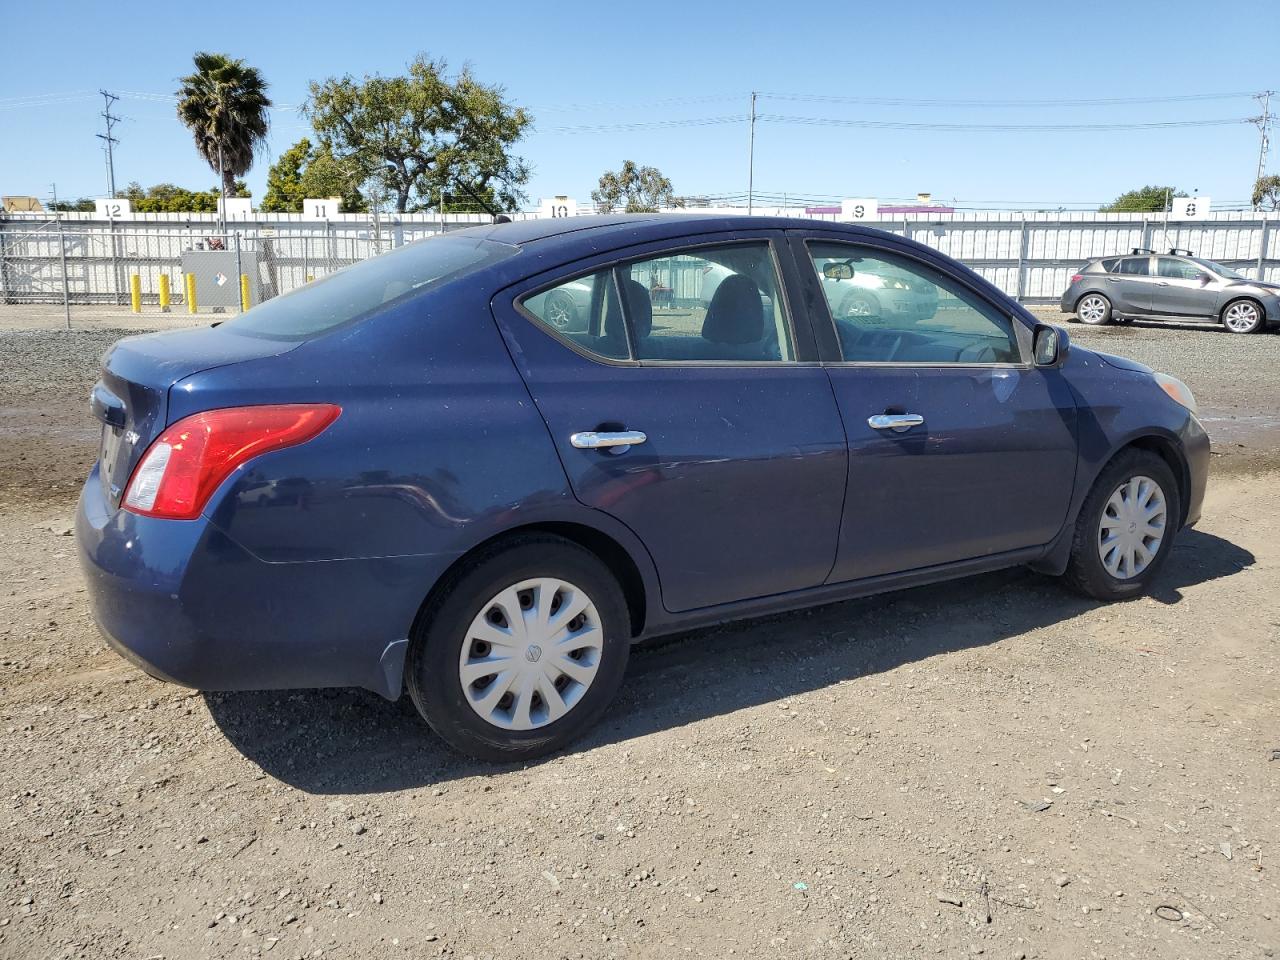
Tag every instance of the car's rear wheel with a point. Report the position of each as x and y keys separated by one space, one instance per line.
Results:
x=1242 y=316
x=521 y=652
x=1094 y=309
x=1125 y=528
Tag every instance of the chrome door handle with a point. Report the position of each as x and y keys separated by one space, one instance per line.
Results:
x=591 y=440
x=1113 y=279
x=1163 y=283
x=897 y=422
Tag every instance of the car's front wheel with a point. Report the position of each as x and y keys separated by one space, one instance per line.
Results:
x=1125 y=528
x=1242 y=316
x=1094 y=309
x=521 y=652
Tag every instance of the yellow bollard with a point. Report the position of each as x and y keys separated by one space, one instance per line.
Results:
x=164 y=293
x=135 y=292
x=191 y=292
x=244 y=292
x=310 y=278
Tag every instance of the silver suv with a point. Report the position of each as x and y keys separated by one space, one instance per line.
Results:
x=1172 y=286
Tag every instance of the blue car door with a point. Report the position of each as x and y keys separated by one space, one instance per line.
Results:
x=723 y=448
x=959 y=448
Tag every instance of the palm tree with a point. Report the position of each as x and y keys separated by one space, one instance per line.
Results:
x=224 y=104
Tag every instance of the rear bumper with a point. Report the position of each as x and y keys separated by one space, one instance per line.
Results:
x=187 y=604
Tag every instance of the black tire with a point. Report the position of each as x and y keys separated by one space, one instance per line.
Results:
x=1243 y=316
x=432 y=671
x=1094 y=318
x=1086 y=572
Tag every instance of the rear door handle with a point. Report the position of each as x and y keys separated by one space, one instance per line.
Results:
x=590 y=440
x=897 y=422
x=1113 y=279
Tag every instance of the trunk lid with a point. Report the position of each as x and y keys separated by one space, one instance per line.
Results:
x=131 y=398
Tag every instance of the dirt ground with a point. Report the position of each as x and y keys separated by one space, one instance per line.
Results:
x=992 y=767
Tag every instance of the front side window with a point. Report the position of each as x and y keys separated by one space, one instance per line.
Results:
x=1136 y=266
x=1177 y=269
x=720 y=303
x=889 y=309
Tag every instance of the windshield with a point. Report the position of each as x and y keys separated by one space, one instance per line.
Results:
x=1219 y=269
x=358 y=290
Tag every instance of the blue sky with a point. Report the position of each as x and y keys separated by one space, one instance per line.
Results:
x=599 y=65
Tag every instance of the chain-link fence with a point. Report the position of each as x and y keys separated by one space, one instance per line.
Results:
x=49 y=263
x=198 y=264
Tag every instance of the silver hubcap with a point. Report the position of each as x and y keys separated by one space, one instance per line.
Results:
x=1132 y=528
x=1241 y=317
x=531 y=653
x=1092 y=309
x=859 y=307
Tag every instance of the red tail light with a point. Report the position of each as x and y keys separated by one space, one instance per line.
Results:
x=186 y=464
x=1077 y=278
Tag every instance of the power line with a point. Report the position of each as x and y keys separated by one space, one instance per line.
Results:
x=996 y=127
x=896 y=124
x=1101 y=102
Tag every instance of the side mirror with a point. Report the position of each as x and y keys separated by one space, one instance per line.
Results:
x=1050 y=345
x=837 y=271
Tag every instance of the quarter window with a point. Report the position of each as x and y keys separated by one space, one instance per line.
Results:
x=889 y=309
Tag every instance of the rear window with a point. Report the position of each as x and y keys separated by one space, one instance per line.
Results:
x=358 y=290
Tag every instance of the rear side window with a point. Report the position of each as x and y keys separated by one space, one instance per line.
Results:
x=1137 y=266
x=358 y=290
x=721 y=303
x=1109 y=265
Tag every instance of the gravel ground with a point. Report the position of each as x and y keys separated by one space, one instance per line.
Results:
x=937 y=772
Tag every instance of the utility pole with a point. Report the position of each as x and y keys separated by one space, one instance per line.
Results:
x=751 y=157
x=1264 y=128
x=108 y=141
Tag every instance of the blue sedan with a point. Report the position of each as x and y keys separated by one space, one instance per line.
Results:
x=407 y=476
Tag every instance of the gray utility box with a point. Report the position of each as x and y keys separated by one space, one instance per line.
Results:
x=217 y=280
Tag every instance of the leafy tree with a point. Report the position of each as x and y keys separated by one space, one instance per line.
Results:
x=328 y=176
x=1266 y=193
x=1143 y=200
x=224 y=105
x=168 y=198
x=634 y=189
x=419 y=133
x=284 y=180
x=82 y=205
x=304 y=171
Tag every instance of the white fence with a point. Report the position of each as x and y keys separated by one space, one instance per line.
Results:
x=1030 y=256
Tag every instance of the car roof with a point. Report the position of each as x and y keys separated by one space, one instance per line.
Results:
x=639 y=227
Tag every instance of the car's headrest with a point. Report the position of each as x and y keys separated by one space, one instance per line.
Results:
x=735 y=314
x=639 y=306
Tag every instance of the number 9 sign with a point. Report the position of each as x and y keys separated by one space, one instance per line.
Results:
x=860 y=208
